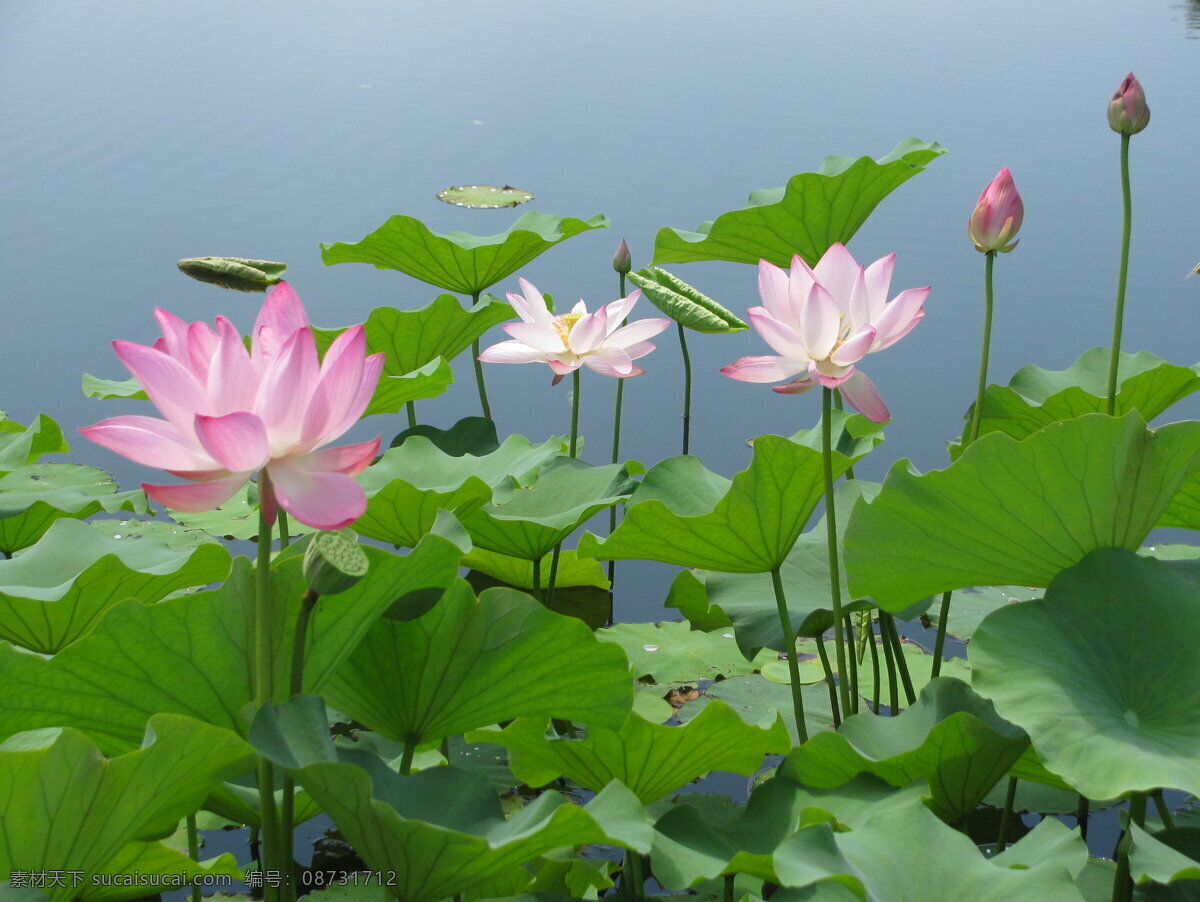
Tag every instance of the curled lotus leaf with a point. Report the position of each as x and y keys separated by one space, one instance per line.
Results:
x=235 y=273
x=685 y=304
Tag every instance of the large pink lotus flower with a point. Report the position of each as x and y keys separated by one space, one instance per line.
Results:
x=822 y=321
x=230 y=413
x=997 y=216
x=570 y=340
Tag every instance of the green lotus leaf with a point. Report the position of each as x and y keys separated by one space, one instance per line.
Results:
x=688 y=848
x=969 y=606
x=143 y=869
x=393 y=392
x=104 y=389
x=1035 y=398
x=1072 y=669
x=652 y=759
x=760 y=702
x=412 y=338
x=678 y=515
x=237 y=518
x=458 y=261
x=686 y=305
x=23 y=445
x=518 y=572
x=566 y=876
x=56 y=591
x=674 y=652
x=34 y=496
x=471 y=661
x=189 y=655
x=442 y=831
x=411 y=483
x=1170 y=856
x=1051 y=841
x=56 y=786
x=876 y=861
x=951 y=737
x=689 y=595
x=1017 y=513
x=814 y=211
x=533 y=520
x=470 y=435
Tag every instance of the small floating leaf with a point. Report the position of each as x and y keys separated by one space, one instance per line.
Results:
x=235 y=273
x=484 y=197
x=683 y=303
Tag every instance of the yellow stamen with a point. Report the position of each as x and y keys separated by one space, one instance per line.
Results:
x=565 y=323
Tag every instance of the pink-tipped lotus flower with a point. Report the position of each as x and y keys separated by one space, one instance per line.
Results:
x=997 y=216
x=570 y=340
x=1128 y=113
x=822 y=321
x=229 y=413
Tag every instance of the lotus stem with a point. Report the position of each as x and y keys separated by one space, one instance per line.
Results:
x=575 y=413
x=632 y=875
x=1010 y=799
x=940 y=643
x=1081 y=817
x=406 y=757
x=789 y=639
x=410 y=408
x=1119 y=319
x=553 y=581
x=616 y=448
x=852 y=644
x=727 y=894
x=284 y=538
x=1164 y=811
x=901 y=661
x=1122 y=881
x=889 y=655
x=295 y=687
x=193 y=839
x=829 y=681
x=687 y=388
x=483 y=398
x=988 y=297
x=874 y=647
x=835 y=578
x=263 y=678
x=837 y=405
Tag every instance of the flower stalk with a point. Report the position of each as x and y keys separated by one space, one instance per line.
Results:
x=1122 y=274
x=835 y=578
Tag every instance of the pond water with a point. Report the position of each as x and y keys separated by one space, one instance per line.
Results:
x=136 y=133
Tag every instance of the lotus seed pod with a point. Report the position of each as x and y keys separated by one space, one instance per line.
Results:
x=235 y=273
x=334 y=562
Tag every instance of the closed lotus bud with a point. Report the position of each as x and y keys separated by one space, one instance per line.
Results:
x=1128 y=113
x=997 y=216
x=236 y=273
x=622 y=261
x=334 y=562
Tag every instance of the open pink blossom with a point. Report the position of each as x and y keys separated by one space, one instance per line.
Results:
x=570 y=340
x=822 y=321
x=229 y=413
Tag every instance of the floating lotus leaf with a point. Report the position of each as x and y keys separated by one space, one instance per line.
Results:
x=760 y=702
x=969 y=606
x=651 y=759
x=470 y=662
x=674 y=652
x=56 y=786
x=951 y=738
x=458 y=261
x=236 y=273
x=33 y=497
x=410 y=483
x=1097 y=675
x=442 y=831
x=54 y=593
x=237 y=518
x=484 y=197
x=416 y=337
x=534 y=519
x=188 y=655
x=580 y=587
x=686 y=305
x=1017 y=513
x=689 y=849
x=680 y=516
x=876 y=862
x=22 y=445
x=814 y=211
x=1035 y=398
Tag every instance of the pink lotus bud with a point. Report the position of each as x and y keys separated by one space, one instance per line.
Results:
x=622 y=261
x=1127 y=111
x=997 y=216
